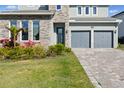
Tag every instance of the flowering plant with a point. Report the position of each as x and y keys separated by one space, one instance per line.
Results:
x=29 y=43
x=4 y=40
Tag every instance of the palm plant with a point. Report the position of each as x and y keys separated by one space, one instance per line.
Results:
x=14 y=32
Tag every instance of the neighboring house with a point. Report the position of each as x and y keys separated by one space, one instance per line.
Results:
x=75 y=26
x=121 y=26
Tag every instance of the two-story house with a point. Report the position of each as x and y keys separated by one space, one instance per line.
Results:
x=75 y=26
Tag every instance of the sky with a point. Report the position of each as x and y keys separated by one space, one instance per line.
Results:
x=113 y=9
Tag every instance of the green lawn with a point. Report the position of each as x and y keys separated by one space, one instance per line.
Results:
x=61 y=71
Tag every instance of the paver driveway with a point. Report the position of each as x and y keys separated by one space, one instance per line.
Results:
x=106 y=66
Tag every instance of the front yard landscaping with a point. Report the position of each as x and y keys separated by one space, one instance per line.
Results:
x=34 y=66
x=63 y=71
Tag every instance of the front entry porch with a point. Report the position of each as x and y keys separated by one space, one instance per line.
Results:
x=59 y=30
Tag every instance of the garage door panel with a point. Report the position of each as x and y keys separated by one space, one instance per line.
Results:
x=80 y=39
x=103 y=39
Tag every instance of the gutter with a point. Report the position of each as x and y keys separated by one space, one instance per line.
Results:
x=116 y=21
x=47 y=13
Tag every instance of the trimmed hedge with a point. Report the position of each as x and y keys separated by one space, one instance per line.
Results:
x=55 y=50
x=32 y=52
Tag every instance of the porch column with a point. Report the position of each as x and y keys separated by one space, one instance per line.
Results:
x=92 y=37
x=51 y=33
x=115 y=38
x=19 y=25
x=30 y=29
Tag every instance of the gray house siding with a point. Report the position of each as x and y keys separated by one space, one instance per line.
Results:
x=102 y=11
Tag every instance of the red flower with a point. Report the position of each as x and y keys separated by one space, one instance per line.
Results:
x=4 y=40
x=29 y=43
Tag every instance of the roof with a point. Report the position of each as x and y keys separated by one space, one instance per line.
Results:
x=27 y=12
x=94 y=19
x=118 y=14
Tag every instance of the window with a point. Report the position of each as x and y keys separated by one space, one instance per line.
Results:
x=13 y=23
x=36 y=30
x=25 y=33
x=79 y=10
x=58 y=7
x=44 y=7
x=94 y=10
x=87 y=10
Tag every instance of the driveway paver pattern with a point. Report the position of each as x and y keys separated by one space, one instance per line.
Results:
x=105 y=67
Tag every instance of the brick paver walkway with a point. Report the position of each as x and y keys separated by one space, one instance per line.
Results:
x=105 y=67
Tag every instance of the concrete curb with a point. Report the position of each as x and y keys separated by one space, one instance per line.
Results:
x=91 y=77
x=88 y=72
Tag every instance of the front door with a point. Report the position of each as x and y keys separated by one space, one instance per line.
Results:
x=60 y=35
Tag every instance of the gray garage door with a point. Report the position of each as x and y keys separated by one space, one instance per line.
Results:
x=80 y=39
x=103 y=39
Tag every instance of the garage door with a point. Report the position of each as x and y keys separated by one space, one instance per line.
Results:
x=103 y=39
x=80 y=39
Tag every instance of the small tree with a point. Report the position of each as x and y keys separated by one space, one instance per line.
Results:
x=14 y=32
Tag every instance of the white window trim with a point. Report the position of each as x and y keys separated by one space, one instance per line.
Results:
x=81 y=11
x=32 y=31
x=96 y=10
x=58 y=9
x=21 y=31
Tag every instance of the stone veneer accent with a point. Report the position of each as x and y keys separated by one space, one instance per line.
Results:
x=3 y=31
x=44 y=33
x=62 y=16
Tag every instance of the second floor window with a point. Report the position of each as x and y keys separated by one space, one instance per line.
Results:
x=58 y=7
x=25 y=33
x=44 y=7
x=79 y=10
x=87 y=10
x=94 y=10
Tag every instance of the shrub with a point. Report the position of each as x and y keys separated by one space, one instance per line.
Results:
x=51 y=51
x=22 y=53
x=39 y=52
x=14 y=53
x=4 y=40
x=32 y=52
x=55 y=50
x=10 y=44
x=28 y=52
x=2 y=53
x=59 y=49
x=66 y=49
